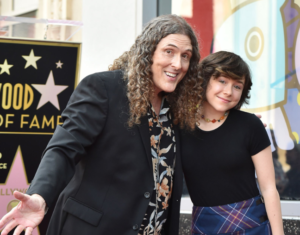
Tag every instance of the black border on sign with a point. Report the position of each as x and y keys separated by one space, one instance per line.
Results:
x=45 y=43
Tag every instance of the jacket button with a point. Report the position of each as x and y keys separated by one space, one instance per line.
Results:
x=135 y=227
x=147 y=195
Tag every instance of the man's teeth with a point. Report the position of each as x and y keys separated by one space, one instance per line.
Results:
x=173 y=75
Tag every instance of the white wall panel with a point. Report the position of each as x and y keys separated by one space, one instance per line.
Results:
x=110 y=28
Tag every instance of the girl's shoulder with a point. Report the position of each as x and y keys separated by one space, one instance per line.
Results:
x=246 y=119
x=243 y=115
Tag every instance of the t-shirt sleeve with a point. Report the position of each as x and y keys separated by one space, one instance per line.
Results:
x=259 y=138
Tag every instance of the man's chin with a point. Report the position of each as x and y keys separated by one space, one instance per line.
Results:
x=169 y=90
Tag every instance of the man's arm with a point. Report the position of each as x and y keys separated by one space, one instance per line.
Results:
x=84 y=119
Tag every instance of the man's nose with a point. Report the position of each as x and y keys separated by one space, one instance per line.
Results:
x=176 y=62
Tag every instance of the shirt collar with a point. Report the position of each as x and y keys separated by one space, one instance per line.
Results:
x=164 y=108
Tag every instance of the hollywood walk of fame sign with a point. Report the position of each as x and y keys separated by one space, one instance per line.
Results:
x=37 y=79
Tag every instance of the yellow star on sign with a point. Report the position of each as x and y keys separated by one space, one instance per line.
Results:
x=31 y=59
x=5 y=67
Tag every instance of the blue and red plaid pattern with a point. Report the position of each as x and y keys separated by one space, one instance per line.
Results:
x=241 y=218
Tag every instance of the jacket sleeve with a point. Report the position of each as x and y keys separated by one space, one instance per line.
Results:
x=84 y=118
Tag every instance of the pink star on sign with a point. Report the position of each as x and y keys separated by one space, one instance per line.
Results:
x=16 y=180
x=49 y=92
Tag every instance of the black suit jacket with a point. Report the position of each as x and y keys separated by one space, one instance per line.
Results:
x=101 y=168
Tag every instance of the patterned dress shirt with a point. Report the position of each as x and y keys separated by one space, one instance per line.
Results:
x=163 y=151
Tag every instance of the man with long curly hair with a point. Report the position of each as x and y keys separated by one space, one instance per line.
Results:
x=115 y=162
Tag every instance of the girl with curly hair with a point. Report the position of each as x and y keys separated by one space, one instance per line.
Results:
x=115 y=162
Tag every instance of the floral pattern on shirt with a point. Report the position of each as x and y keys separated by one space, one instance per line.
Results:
x=163 y=151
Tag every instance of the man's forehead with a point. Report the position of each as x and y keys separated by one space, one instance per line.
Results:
x=176 y=40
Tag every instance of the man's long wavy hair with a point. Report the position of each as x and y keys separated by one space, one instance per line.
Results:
x=136 y=64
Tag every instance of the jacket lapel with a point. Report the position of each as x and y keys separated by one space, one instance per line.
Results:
x=145 y=135
x=178 y=176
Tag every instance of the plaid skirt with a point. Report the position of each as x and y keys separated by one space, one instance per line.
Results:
x=242 y=218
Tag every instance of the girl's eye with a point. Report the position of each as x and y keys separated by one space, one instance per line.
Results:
x=185 y=56
x=168 y=51
x=222 y=81
x=238 y=87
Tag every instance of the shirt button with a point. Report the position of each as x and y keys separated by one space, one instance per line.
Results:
x=135 y=227
x=146 y=194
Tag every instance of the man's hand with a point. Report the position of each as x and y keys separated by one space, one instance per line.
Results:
x=259 y=116
x=27 y=215
x=277 y=129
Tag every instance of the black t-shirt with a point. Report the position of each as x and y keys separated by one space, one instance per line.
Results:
x=217 y=164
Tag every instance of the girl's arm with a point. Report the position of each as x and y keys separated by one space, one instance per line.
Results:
x=266 y=178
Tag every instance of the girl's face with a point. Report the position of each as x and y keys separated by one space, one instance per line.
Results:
x=223 y=93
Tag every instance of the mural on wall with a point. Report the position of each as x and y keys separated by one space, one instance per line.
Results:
x=36 y=81
x=266 y=34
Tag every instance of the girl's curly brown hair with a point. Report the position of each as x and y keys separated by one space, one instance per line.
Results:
x=136 y=64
